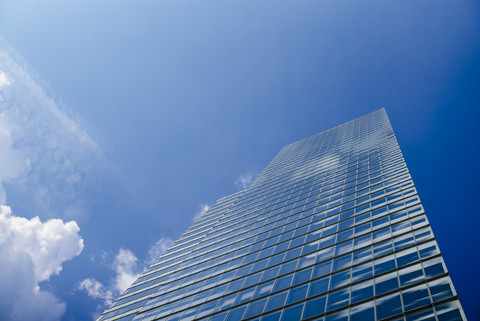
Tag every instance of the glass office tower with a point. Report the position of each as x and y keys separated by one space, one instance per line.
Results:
x=332 y=229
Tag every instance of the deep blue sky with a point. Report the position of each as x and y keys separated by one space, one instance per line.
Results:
x=183 y=97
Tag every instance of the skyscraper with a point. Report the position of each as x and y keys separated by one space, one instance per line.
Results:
x=332 y=229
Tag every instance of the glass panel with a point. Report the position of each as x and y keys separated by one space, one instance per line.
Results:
x=236 y=313
x=263 y=289
x=292 y=254
x=314 y=307
x=218 y=317
x=337 y=299
x=363 y=271
x=440 y=289
x=428 y=249
x=362 y=291
x=339 y=316
x=235 y=285
x=388 y=306
x=362 y=255
x=386 y=283
x=276 y=301
x=305 y=261
x=302 y=276
x=415 y=297
x=433 y=267
x=322 y=269
x=283 y=283
x=245 y=295
x=327 y=241
x=276 y=259
x=407 y=256
x=385 y=264
x=425 y=315
x=288 y=267
x=255 y=308
x=292 y=313
x=324 y=254
x=411 y=275
x=297 y=294
x=362 y=312
x=275 y=316
x=190 y=314
x=318 y=286
x=270 y=273
x=449 y=312
x=252 y=280
x=342 y=262
x=175 y=317
x=207 y=308
x=226 y=302
x=340 y=279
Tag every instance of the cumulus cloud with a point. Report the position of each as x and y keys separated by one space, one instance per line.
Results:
x=31 y=252
x=244 y=180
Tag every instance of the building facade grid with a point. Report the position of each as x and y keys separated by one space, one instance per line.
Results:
x=332 y=229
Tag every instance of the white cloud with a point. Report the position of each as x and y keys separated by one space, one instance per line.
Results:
x=243 y=181
x=202 y=209
x=126 y=272
x=157 y=249
x=53 y=152
x=96 y=290
x=4 y=81
x=127 y=269
x=125 y=265
x=31 y=252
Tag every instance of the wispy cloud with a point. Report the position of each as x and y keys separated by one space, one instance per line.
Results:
x=244 y=180
x=53 y=153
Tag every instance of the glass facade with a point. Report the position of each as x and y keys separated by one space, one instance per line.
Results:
x=332 y=229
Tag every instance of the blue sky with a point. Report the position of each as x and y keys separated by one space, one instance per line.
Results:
x=123 y=119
